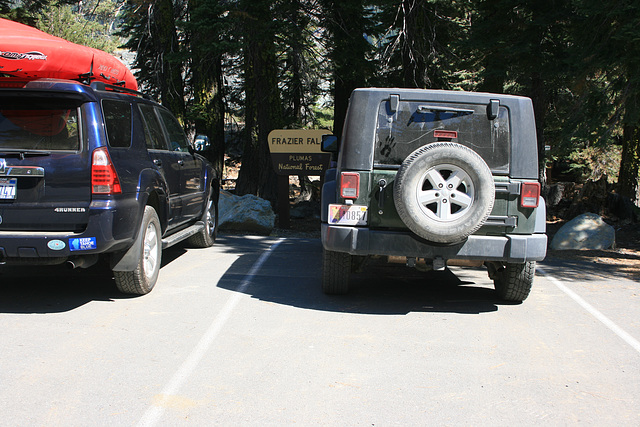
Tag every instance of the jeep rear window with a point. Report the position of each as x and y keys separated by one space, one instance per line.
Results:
x=39 y=123
x=401 y=132
x=117 y=118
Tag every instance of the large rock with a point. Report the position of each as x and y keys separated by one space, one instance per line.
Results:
x=247 y=213
x=586 y=231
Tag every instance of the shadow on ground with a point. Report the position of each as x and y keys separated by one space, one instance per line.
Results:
x=57 y=288
x=292 y=276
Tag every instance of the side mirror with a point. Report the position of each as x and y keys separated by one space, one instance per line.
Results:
x=201 y=143
x=329 y=144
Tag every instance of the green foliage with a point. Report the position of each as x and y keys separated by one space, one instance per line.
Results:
x=418 y=47
x=323 y=118
x=91 y=26
x=594 y=162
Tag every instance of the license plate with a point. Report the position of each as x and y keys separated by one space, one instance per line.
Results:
x=8 y=188
x=347 y=215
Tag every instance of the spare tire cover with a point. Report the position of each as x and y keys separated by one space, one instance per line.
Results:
x=444 y=192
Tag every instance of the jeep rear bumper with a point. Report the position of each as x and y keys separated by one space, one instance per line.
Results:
x=363 y=241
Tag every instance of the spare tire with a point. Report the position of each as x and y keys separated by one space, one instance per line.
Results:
x=444 y=192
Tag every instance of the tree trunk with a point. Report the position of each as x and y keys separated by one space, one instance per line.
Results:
x=168 y=69
x=263 y=106
x=346 y=26
x=209 y=104
x=630 y=164
x=540 y=101
x=417 y=46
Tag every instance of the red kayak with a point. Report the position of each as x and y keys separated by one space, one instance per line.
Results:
x=27 y=54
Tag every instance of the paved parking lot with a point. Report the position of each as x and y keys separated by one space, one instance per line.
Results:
x=240 y=334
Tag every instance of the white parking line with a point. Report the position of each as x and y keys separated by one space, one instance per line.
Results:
x=155 y=412
x=595 y=313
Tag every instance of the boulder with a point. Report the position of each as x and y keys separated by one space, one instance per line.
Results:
x=247 y=213
x=303 y=210
x=586 y=231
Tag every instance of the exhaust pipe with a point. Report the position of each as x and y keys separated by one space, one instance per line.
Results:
x=82 y=262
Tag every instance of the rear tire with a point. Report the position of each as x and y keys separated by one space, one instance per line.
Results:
x=513 y=281
x=207 y=237
x=141 y=280
x=336 y=269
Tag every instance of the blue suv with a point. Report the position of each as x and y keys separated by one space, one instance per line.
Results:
x=97 y=170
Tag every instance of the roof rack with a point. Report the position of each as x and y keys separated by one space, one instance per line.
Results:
x=102 y=86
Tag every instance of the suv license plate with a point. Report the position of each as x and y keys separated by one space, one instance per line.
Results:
x=8 y=188
x=347 y=215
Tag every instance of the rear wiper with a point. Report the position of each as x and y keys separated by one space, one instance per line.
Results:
x=438 y=108
x=24 y=153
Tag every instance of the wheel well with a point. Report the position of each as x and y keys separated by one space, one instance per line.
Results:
x=154 y=201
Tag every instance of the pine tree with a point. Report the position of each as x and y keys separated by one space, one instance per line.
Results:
x=150 y=26
x=607 y=34
x=263 y=105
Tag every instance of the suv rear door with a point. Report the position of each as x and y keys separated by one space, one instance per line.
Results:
x=45 y=174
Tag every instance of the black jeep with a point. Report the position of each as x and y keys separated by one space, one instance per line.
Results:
x=89 y=170
x=448 y=178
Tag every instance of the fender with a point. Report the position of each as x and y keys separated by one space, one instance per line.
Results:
x=329 y=194
x=150 y=182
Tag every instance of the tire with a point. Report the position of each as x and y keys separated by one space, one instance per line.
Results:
x=336 y=269
x=142 y=280
x=444 y=192
x=207 y=237
x=513 y=281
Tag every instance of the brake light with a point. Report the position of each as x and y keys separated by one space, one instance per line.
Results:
x=445 y=134
x=104 y=179
x=350 y=185
x=530 y=194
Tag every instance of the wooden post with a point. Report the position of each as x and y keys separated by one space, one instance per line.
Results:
x=283 y=201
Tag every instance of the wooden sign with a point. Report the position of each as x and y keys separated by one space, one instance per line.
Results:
x=297 y=151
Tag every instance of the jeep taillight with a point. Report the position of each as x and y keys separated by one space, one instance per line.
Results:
x=349 y=185
x=104 y=179
x=530 y=194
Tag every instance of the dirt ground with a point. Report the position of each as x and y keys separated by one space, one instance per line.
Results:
x=624 y=258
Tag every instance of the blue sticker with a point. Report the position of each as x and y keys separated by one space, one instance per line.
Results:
x=82 y=243
x=56 y=245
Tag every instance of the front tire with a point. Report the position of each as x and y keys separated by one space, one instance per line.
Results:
x=142 y=280
x=336 y=269
x=513 y=281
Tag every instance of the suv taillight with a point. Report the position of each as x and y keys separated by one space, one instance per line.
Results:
x=530 y=194
x=349 y=185
x=104 y=179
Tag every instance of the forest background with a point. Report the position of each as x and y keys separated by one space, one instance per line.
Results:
x=237 y=69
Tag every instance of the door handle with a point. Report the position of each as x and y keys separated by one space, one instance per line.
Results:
x=181 y=162
x=157 y=162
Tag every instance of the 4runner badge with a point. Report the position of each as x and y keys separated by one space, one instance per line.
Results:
x=69 y=210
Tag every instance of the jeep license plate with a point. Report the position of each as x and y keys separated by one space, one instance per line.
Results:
x=347 y=215
x=8 y=188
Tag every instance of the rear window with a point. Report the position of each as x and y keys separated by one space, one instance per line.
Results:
x=415 y=123
x=117 y=118
x=39 y=123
